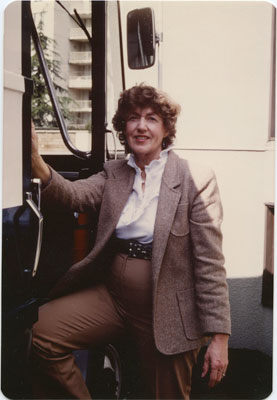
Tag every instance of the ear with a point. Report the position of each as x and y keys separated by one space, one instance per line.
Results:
x=124 y=136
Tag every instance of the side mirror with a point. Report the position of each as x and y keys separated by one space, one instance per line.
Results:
x=141 y=38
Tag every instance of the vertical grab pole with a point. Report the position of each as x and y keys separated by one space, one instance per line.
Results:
x=98 y=14
x=121 y=46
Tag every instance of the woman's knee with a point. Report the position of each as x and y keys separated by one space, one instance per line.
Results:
x=45 y=332
x=40 y=343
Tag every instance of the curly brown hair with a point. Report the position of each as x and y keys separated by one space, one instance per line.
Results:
x=143 y=96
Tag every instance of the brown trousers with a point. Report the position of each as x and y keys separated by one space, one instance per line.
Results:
x=97 y=316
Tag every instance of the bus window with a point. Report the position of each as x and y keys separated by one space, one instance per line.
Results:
x=67 y=51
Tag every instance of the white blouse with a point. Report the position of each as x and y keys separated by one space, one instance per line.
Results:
x=138 y=216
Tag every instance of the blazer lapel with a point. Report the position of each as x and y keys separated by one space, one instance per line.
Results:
x=168 y=201
x=117 y=190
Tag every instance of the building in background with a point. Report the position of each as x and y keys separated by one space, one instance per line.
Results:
x=79 y=82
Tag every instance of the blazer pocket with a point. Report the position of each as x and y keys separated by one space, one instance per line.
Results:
x=189 y=315
x=180 y=226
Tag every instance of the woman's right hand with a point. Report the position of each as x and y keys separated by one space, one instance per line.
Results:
x=39 y=167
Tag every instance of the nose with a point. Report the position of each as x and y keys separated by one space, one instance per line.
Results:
x=141 y=124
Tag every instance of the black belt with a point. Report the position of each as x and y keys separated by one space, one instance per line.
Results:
x=133 y=248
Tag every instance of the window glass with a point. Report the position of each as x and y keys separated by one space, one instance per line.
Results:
x=68 y=55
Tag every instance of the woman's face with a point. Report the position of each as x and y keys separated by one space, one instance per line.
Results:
x=145 y=132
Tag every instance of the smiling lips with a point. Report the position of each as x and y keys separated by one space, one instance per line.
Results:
x=141 y=138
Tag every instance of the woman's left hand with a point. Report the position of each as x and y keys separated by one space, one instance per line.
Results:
x=216 y=359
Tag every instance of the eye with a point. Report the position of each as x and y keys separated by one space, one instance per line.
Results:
x=152 y=118
x=132 y=118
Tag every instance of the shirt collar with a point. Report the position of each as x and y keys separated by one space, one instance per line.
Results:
x=161 y=160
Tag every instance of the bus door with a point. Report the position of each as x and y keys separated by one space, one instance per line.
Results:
x=68 y=111
x=46 y=46
x=22 y=221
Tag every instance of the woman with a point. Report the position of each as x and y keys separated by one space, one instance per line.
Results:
x=159 y=233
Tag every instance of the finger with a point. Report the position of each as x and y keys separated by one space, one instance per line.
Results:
x=33 y=128
x=34 y=138
x=219 y=376
x=205 y=368
x=225 y=369
x=224 y=373
x=213 y=378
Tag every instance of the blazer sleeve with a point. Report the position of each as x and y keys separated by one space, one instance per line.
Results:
x=212 y=297
x=81 y=195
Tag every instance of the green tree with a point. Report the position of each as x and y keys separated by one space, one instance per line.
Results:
x=42 y=110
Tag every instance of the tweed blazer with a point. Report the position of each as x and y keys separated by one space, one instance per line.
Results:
x=190 y=293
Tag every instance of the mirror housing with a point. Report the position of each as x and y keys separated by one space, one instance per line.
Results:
x=141 y=38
